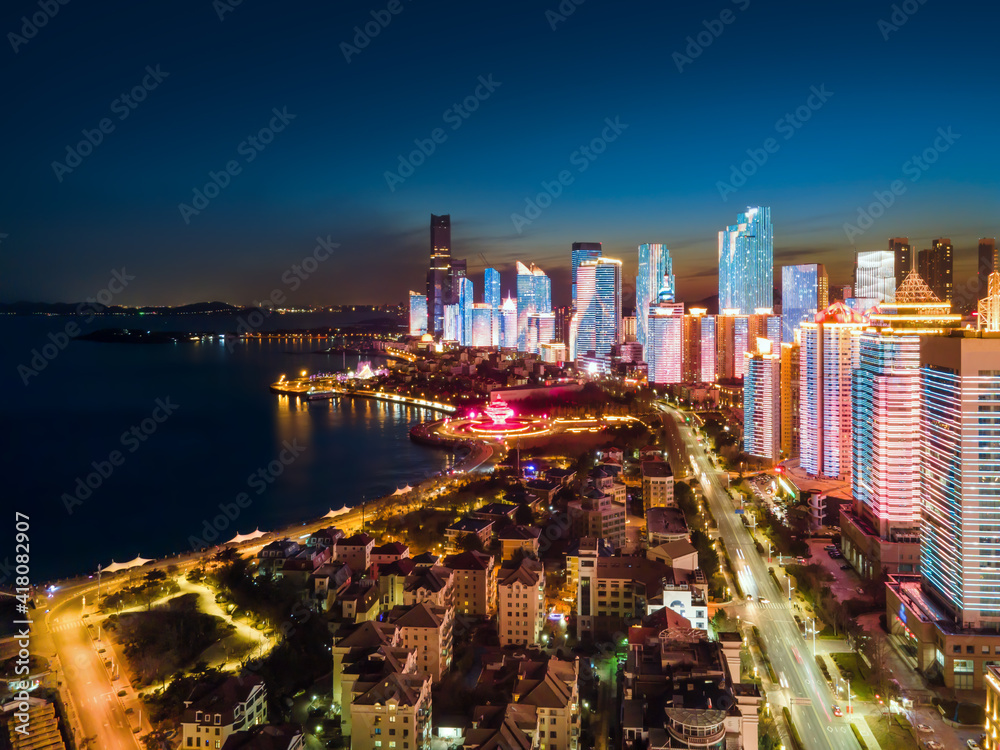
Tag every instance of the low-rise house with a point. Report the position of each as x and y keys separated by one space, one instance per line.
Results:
x=212 y=712
x=301 y=566
x=359 y=602
x=595 y=514
x=496 y=512
x=327 y=537
x=432 y=585
x=681 y=555
x=328 y=582
x=389 y=553
x=267 y=737
x=356 y=551
x=272 y=556
x=521 y=602
x=665 y=525
x=544 y=489
x=552 y=689
x=391 y=578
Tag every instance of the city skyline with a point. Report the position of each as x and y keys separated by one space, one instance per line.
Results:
x=804 y=144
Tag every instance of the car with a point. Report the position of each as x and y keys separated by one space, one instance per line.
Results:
x=924 y=728
x=837 y=711
x=973 y=745
x=934 y=745
x=749 y=597
x=845 y=567
x=764 y=601
x=830 y=546
x=860 y=590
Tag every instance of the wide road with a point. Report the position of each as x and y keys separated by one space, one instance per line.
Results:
x=803 y=687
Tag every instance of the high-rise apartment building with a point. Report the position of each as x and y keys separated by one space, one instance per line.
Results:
x=882 y=531
x=875 y=276
x=804 y=292
x=902 y=254
x=485 y=325
x=790 y=389
x=762 y=403
x=598 y=306
x=708 y=349
x=825 y=365
x=988 y=262
x=746 y=262
x=418 y=314
x=541 y=330
x=936 y=266
x=534 y=295
x=452 y=323
x=692 y=369
x=653 y=283
x=665 y=349
x=580 y=252
x=491 y=288
x=960 y=475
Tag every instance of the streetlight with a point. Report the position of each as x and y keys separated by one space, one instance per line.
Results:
x=790 y=587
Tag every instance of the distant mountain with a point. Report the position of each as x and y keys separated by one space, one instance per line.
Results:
x=85 y=308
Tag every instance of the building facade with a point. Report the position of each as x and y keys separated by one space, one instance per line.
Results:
x=653 y=283
x=418 y=314
x=746 y=262
x=580 y=252
x=521 y=602
x=762 y=403
x=664 y=349
x=875 y=276
x=805 y=291
x=437 y=276
x=598 y=306
x=936 y=266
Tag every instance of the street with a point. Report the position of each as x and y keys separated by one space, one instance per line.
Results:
x=804 y=689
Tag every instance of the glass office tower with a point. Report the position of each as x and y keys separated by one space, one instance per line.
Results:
x=804 y=292
x=598 y=315
x=491 y=288
x=580 y=252
x=534 y=295
x=653 y=283
x=746 y=262
x=438 y=273
x=418 y=314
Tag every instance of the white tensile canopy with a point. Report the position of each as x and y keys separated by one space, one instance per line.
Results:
x=239 y=538
x=335 y=513
x=114 y=567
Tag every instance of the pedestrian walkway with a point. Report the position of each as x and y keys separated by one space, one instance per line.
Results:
x=61 y=627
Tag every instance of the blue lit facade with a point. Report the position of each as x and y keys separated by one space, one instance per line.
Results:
x=534 y=295
x=746 y=262
x=465 y=302
x=508 y=324
x=804 y=292
x=598 y=315
x=653 y=283
x=582 y=251
x=491 y=288
x=960 y=476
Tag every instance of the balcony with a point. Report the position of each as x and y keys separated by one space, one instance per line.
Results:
x=706 y=740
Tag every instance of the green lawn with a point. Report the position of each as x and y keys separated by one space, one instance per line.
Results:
x=896 y=734
x=850 y=666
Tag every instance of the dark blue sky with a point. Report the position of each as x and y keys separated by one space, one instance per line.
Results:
x=324 y=174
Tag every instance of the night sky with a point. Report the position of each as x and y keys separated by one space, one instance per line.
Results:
x=886 y=90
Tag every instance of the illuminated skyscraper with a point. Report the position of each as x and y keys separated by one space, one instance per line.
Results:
x=534 y=295
x=491 y=288
x=599 y=306
x=960 y=475
x=483 y=322
x=418 y=314
x=885 y=398
x=804 y=291
x=902 y=258
x=452 y=323
x=790 y=401
x=665 y=350
x=825 y=366
x=936 y=266
x=466 y=292
x=582 y=251
x=875 y=275
x=541 y=330
x=508 y=324
x=654 y=283
x=708 y=349
x=762 y=403
x=437 y=275
x=731 y=331
x=746 y=262
x=989 y=261
x=692 y=345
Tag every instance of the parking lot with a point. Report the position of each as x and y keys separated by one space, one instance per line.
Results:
x=846 y=582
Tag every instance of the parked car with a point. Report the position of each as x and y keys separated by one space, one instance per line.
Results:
x=845 y=567
x=973 y=745
x=860 y=590
x=837 y=711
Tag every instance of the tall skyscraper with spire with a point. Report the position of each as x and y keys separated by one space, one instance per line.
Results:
x=653 y=283
x=491 y=288
x=438 y=273
x=746 y=262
